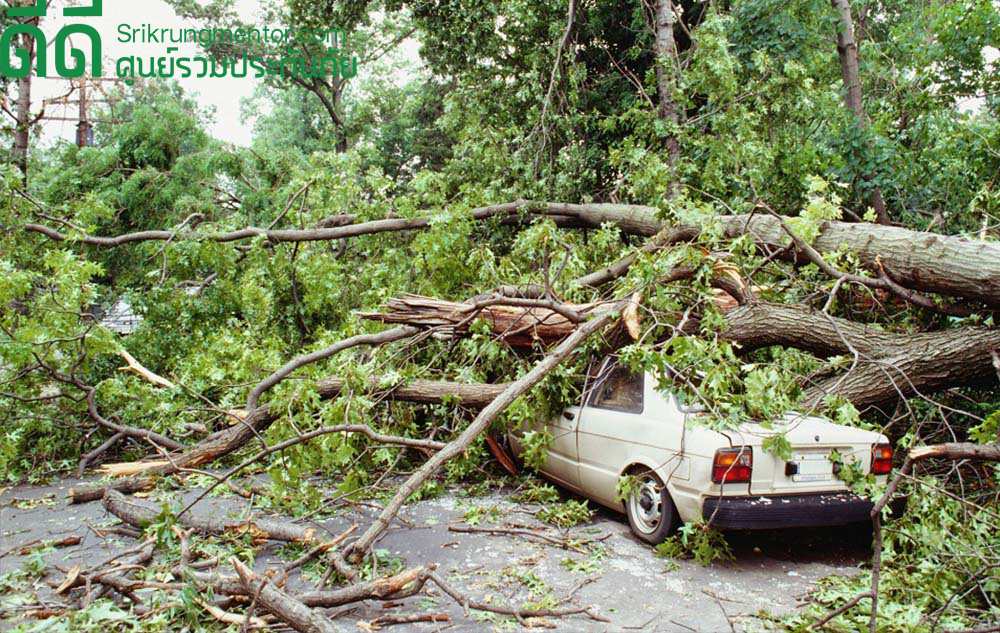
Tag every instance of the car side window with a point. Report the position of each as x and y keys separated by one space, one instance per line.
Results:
x=620 y=390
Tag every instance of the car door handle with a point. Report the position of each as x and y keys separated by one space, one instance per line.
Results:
x=568 y=415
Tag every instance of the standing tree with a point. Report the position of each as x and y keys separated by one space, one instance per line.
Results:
x=847 y=51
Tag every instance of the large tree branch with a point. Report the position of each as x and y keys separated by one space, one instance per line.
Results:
x=460 y=444
x=926 y=262
x=632 y=219
x=891 y=365
x=141 y=515
x=388 y=336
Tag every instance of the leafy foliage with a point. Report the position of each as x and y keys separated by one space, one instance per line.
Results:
x=474 y=123
x=698 y=541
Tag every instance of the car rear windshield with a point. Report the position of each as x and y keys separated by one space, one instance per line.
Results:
x=620 y=390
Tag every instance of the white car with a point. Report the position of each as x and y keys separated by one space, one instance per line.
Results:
x=686 y=471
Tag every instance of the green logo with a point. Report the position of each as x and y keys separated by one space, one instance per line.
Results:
x=62 y=37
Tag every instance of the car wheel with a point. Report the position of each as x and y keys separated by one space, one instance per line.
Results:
x=651 y=513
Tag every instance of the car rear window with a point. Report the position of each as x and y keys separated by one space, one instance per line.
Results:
x=621 y=390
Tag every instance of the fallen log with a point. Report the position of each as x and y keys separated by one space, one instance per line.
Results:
x=96 y=493
x=632 y=219
x=141 y=515
x=890 y=365
x=925 y=262
x=289 y=610
x=921 y=261
x=519 y=326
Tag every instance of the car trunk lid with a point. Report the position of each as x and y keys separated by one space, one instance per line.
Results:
x=809 y=468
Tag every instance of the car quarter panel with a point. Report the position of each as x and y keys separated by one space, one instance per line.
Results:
x=609 y=441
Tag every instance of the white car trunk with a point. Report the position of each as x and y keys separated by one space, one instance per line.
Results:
x=809 y=468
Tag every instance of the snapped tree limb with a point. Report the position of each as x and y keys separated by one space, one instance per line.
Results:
x=141 y=515
x=482 y=421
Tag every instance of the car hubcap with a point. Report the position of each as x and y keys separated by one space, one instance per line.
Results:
x=646 y=507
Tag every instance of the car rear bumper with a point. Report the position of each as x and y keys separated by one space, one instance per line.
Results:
x=785 y=511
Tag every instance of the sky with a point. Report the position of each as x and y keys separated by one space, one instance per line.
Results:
x=224 y=94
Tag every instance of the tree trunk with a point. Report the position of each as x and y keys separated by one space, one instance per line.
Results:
x=667 y=70
x=631 y=219
x=22 y=129
x=141 y=516
x=925 y=262
x=850 y=73
x=890 y=366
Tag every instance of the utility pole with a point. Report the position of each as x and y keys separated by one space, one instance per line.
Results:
x=85 y=85
x=84 y=131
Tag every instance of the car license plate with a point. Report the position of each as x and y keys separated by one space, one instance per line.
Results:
x=813 y=467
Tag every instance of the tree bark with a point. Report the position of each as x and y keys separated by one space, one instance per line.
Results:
x=289 y=610
x=957 y=451
x=890 y=366
x=128 y=486
x=850 y=72
x=927 y=262
x=632 y=219
x=381 y=338
x=667 y=70
x=141 y=515
x=518 y=326
x=22 y=129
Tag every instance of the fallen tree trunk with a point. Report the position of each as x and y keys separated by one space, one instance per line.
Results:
x=632 y=219
x=141 y=516
x=924 y=362
x=890 y=365
x=926 y=262
x=519 y=326
x=921 y=261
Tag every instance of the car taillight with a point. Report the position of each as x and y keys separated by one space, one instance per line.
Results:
x=881 y=459
x=732 y=465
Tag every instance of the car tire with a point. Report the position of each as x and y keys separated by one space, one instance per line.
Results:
x=651 y=512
